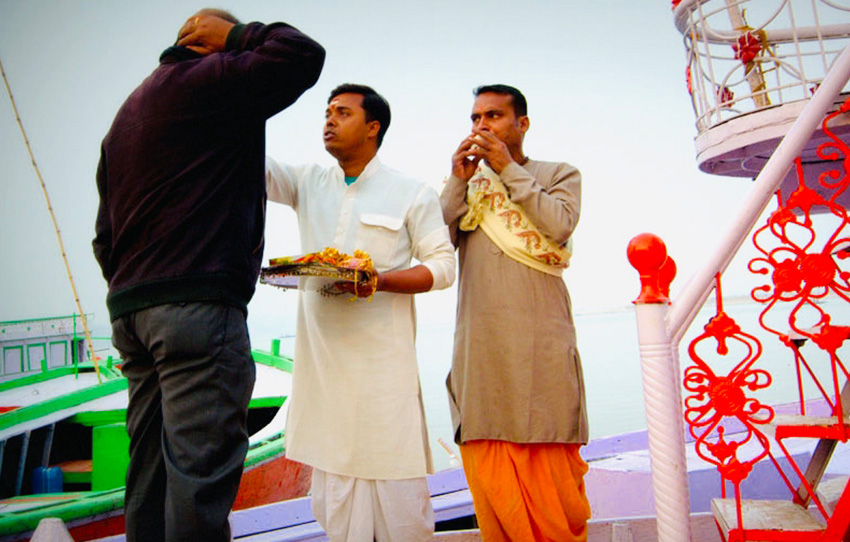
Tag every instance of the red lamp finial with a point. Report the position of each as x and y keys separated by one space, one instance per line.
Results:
x=648 y=254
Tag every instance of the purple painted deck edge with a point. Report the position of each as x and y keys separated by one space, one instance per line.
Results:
x=602 y=447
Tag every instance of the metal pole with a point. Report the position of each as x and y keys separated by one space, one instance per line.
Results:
x=661 y=388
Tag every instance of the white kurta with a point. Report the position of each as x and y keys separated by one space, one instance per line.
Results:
x=356 y=405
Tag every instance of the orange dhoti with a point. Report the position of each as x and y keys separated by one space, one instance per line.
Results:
x=527 y=492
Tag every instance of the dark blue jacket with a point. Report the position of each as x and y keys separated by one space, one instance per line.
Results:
x=181 y=172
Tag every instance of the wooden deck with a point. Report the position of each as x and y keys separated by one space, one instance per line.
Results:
x=703 y=529
x=643 y=529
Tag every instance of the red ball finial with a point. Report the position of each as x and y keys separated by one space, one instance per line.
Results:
x=648 y=254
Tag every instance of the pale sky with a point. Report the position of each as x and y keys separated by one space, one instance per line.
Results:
x=605 y=83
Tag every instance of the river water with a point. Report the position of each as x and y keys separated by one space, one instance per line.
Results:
x=610 y=354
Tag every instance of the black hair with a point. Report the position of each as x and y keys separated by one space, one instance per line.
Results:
x=517 y=99
x=375 y=106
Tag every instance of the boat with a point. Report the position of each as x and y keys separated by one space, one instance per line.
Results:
x=64 y=444
x=719 y=462
x=769 y=95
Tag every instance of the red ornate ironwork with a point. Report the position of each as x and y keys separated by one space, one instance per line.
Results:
x=721 y=411
x=806 y=266
x=837 y=150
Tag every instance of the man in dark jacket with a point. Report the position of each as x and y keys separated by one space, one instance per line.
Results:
x=179 y=237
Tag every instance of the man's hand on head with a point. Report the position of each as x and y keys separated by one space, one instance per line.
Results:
x=204 y=33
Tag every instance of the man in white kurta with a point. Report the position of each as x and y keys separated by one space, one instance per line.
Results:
x=356 y=413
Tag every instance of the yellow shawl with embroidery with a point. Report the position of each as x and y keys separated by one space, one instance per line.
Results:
x=506 y=224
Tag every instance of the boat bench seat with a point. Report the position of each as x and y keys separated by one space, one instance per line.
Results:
x=764 y=520
x=830 y=491
x=76 y=472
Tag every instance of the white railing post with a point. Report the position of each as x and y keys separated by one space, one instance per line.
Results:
x=661 y=388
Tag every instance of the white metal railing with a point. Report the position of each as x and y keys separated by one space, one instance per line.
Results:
x=748 y=55
x=661 y=325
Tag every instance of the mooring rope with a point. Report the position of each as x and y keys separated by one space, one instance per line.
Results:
x=55 y=224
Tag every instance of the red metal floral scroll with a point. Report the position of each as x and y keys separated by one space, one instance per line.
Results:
x=807 y=266
x=722 y=413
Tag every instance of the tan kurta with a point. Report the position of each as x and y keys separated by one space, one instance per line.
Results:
x=516 y=373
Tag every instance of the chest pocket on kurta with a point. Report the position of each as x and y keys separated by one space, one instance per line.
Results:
x=380 y=235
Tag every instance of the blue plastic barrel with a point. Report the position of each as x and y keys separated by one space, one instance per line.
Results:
x=47 y=480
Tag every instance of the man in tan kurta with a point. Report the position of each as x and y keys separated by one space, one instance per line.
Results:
x=516 y=390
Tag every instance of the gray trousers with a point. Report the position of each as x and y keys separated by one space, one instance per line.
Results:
x=190 y=375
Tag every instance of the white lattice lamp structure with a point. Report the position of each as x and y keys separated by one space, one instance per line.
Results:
x=752 y=66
